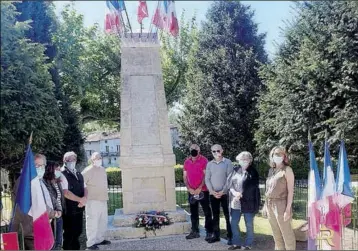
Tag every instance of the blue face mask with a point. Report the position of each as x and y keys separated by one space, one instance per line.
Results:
x=40 y=172
x=57 y=174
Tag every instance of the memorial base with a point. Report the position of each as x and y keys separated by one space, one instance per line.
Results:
x=121 y=226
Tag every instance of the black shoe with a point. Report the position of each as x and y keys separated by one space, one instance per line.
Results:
x=192 y=235
x=234 y=247
x=214 y=239
x=208 y=236
x=104 y=242
x=94 y=247
x=229 y=242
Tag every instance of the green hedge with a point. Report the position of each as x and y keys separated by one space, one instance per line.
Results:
x=300 y=169
x=178 y=171
x=114 y=176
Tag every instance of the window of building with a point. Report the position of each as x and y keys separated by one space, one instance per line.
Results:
x=109 y=161
x=118 y=148
x=107 y=149
x=105 y=141
x=115 y=158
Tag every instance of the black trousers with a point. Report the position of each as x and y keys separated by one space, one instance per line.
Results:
x=72 y=229
x=194 y=214
x=215 y=206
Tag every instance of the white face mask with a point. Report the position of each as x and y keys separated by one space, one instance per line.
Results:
x=97 y=162
x=244 y=163
x=40 y=172
x=277 y=159
x=57 y=174
x=71 y=165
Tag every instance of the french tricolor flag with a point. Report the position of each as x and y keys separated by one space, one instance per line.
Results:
x=330 y=215
x=314 y=195
x=343 y=185
x=30 y=200
x=165 y=17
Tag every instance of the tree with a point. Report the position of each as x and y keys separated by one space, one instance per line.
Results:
x=312 y=85
x=174 y=55
x=42 y=18
x=223 y=81
x=28 y=103
x=89 y=66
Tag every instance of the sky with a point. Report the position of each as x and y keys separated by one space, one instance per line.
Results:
x=268 y=14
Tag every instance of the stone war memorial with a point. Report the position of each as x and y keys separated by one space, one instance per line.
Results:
x=147 y=157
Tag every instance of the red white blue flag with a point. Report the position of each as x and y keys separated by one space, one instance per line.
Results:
x=165 y=17
x=142 y=11
x=113 y=22
x=345 y=195
x=330 y=213
x=30 y=200
x=314 y=195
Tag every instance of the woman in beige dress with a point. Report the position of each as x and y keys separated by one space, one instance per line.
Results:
x=279 y=197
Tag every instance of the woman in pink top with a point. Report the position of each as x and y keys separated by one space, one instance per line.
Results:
x=194 y=178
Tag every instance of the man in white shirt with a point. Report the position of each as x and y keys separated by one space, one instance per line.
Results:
x=95 y=177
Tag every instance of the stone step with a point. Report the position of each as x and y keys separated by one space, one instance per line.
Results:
x=127 y=220
x=119 y=233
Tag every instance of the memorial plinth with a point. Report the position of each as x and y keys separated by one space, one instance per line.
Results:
x=147 y=160
x=147 y=157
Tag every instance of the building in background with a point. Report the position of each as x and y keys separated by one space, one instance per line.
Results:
x=108 y=144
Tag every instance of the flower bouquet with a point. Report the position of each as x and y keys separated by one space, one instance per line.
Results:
x=152 y=220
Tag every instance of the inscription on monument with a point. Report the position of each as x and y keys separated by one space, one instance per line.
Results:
x=149 y=190
x=142 y=58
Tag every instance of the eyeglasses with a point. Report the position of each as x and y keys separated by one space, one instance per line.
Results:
x=215 y=151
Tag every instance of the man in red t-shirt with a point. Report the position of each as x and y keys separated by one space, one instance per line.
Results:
x=194 y=178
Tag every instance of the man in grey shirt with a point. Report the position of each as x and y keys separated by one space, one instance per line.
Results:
x=216 y=175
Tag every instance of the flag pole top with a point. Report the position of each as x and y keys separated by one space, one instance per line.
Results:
x=30 y=139
x=140 y=40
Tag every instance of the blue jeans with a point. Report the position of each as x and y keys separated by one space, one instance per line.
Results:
x=59 y=232
x=249 y=222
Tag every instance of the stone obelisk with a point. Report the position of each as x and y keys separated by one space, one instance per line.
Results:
x=147 y=158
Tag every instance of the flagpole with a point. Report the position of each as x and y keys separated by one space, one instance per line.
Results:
x=342 y=225
x=141 y=28
x=124 y=24
x=129 y=23
x=30 y=139
x=151 y=22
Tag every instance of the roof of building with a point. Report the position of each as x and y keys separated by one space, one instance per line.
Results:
x=102 y=136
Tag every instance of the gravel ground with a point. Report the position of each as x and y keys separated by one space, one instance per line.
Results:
x=177 y=242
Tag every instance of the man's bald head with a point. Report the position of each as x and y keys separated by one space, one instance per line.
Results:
x=195 y=147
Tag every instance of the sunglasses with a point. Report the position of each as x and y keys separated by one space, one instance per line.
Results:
x=217 y=151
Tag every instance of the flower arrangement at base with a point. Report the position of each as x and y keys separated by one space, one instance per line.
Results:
x=152 y=220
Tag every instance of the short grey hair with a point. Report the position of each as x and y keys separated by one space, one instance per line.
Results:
x=244 y=154
x=41 y=156
x=217 y=146
x=95 y=155
x=69 y=154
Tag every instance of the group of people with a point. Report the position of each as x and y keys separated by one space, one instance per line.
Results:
x=68 y=194
x=236 y=190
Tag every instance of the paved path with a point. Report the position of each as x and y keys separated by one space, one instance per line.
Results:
x=176 y=242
